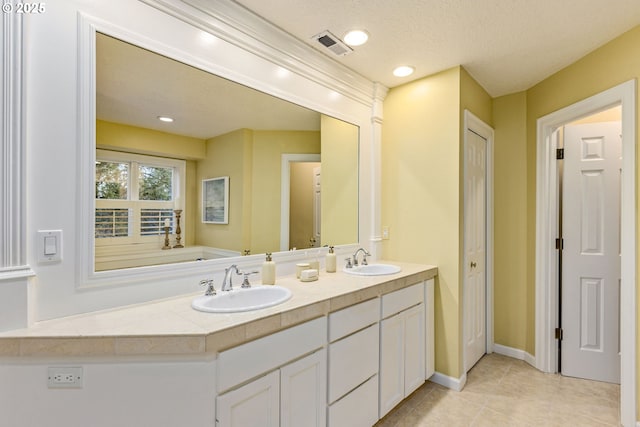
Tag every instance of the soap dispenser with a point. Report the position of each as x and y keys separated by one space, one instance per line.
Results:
x=268 y=271
x=330 y=265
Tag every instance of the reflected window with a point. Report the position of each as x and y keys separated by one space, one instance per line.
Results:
x=135 y=196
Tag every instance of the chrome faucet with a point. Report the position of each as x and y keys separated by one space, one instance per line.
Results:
x=210 y=289
x=245 y=282
x=227 y=283
x=365 y=254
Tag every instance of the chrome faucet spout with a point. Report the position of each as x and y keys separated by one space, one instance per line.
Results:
x=365 y=254
x=227 y=283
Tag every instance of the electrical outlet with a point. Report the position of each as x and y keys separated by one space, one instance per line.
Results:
x=385 y=232
x=65 y=377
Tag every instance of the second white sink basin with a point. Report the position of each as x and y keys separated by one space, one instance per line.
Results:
x=241 y=299
x=373 y=270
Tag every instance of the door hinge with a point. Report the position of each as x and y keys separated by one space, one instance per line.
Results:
x=560 y=153
x=559 y=243
x=559 y=334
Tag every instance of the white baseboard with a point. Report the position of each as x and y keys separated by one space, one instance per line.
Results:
x=452 y=383
x=515 y=353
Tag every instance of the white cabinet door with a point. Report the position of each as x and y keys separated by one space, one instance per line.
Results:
x=303 y=392
x=391 y=363
x=256 y=404
x=414 y=358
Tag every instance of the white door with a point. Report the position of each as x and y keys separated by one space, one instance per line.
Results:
x=317 y=207
x=391 y=363
x=475 y=196
x=414 y=358
x=303 y=392
x=254 y=404
x=591 y=273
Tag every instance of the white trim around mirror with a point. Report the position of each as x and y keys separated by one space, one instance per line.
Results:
x=343 y=102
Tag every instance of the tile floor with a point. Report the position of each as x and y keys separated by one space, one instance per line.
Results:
x=502 y=391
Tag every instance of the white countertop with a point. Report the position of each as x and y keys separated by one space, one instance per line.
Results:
x=172 y=327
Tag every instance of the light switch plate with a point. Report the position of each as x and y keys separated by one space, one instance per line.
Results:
x=49 y=246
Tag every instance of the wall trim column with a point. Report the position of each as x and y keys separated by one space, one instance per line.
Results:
x=12 y=156
x=379 y=94
x=14 y=271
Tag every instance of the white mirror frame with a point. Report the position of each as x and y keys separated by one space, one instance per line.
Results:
x=314 y=82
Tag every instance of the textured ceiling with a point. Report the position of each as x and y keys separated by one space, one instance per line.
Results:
x=506 y=45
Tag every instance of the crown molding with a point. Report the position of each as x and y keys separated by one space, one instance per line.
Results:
x=243 y=28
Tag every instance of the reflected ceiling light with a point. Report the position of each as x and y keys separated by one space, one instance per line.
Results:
x=207 y=38
x=403 y=71
x=356 y=37
x=165 y=119
x=282 y=72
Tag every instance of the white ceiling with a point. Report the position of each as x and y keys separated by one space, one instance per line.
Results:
x=506 y=45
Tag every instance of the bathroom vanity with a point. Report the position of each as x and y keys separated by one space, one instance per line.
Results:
x=342 y=351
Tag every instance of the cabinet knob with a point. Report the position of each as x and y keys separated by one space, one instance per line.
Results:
x=473 y=264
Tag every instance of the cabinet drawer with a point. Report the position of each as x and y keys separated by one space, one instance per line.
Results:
x=354 y=318
x=357 y=409
x=352 y=360
x=402 y=299
x=254 y=358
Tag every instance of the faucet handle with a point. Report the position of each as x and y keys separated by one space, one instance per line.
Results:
x=348 y=259
x=209 y=284
x=245 y=282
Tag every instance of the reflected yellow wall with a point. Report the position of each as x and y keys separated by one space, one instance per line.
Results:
x=422 y=138
x=339 y=182
x=226 y=156
x=132 y=139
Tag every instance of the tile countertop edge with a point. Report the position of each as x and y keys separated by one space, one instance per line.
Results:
x=46 y=341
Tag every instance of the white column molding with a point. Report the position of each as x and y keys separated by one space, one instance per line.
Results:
x=14 y=272
x=379 y=94
x=12 y=159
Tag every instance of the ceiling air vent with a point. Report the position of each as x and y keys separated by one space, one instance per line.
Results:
x=332 y=43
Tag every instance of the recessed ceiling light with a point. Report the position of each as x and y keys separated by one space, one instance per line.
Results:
x=403 y=71
x=165 y=119
x=356 y=37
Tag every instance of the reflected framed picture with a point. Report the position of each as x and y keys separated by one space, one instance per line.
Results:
x=215 y=200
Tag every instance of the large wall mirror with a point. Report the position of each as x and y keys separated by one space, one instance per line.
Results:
x=247 y=172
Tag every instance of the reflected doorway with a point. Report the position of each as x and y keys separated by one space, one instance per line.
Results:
x=300 y=214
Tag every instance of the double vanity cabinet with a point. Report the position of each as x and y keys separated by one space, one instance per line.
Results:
x=342 y=351
x=349 y=368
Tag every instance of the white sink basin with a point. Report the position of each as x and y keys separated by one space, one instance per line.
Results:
x=241 y=299
x=373 y=270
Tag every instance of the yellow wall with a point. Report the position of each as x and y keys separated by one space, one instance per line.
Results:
x=422 y=192
x=511 y=321
x=339 y=141
x=614 y=63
